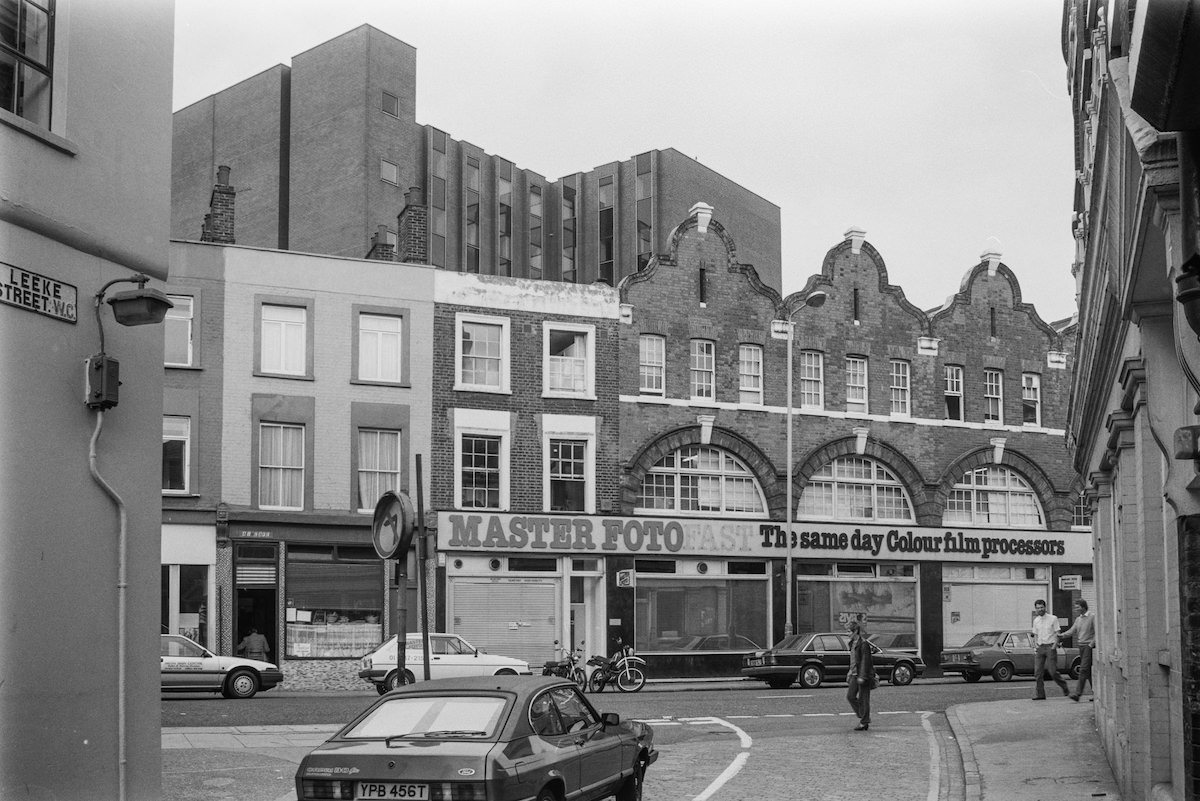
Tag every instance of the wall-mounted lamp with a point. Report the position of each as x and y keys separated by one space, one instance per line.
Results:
x=141 y=306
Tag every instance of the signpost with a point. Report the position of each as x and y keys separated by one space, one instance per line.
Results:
x=392 y=533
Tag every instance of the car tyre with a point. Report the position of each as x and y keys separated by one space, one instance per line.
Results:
x=810 y=677
x=547 y=794
x=780 y=683
x=631 y=790
x=396 y=679
x=972 y=677
x=902 y=674
x=1074 y=671
x=1003 y=671
x=241 y=684
x=506 y=672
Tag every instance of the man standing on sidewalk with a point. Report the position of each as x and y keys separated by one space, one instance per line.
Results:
x=1084 y=631
x=1045 y=637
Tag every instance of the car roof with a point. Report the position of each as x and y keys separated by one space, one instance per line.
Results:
x=517 y=684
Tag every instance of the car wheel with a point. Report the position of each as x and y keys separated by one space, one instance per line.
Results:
x=810 y=677
x=1074 y=671
x=547 y=794
x=381 y=688
x=396 y=679
x=780 y=683
x=902 y=674
x=506 y=672
x=241 y=684
x=972 y=677
x=1003 y=671
x=631 y=790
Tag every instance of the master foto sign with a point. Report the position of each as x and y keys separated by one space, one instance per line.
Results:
x=37 y=293
x=655 y=536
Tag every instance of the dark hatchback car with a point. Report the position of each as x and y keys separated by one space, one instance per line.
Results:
x=812 y=658
x=481 y=738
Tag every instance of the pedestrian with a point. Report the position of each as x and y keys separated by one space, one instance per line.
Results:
x=861 y=678
x=1084 y=632
x=1045 y=660
x=255 y=646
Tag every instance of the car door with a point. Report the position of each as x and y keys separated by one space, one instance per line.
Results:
x=1019 y=647
x=599 y=747
x=452 y=656
x=835 y=655
x=559 y=752
x=186 y=665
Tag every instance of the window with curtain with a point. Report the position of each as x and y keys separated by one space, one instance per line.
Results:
x=701 y=480
x=380 y=341
x=284 y=339
x=855 y=488
x=379 y=462
x=280 y=466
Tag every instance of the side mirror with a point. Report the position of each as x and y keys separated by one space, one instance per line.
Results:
x=610 y=718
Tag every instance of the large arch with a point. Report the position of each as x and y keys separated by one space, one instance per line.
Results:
x=878 y=450
x=1052 y=502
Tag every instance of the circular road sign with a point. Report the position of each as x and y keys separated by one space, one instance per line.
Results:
x=392 y=527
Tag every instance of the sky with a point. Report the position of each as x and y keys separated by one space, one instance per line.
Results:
x=940 y=127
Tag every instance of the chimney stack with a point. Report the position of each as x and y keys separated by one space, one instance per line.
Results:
x=218 y=223
x=412 y=241
x=381 y=249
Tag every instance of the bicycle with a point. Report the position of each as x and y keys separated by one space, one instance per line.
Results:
x=568 y=667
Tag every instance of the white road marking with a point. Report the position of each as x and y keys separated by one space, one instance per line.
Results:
x=735 y=767
x=934 y=769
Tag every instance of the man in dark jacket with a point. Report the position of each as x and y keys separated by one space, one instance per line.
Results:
x=861 y=678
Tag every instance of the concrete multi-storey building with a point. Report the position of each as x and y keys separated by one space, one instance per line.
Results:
x=85 y=136
x=332 y=150
x=1133 y=82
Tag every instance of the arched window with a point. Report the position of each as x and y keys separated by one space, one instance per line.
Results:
x=994 y=496
x=855 y=488
x=701 y=480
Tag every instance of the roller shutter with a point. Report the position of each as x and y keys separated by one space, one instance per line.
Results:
x=511 y=617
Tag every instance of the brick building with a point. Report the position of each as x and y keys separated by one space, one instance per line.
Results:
x=331 y=149
x=1133 y=80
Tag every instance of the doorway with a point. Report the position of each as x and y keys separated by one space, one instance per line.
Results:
x=256 y=608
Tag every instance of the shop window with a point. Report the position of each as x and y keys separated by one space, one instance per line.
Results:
x=994 y=496
x=334 y=601
x=690 y=615
x=700 y=480
x=855 y=488
x=888 y=605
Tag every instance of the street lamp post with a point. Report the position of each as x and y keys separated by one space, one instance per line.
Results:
x=814 y=299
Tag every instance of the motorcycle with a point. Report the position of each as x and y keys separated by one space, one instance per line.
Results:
x=623 y=669
x=567 y=668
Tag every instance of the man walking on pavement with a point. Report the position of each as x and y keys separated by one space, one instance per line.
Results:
x=1084 y=631
x=1045 y=637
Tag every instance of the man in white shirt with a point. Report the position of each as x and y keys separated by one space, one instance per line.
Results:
x=1045 y=638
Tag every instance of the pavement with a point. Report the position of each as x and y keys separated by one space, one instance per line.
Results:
x=1012 y=750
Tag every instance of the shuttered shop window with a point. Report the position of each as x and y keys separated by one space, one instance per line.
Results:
x=335 y=609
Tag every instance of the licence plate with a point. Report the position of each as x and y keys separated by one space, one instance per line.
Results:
x=754 y=662
x=413 y=792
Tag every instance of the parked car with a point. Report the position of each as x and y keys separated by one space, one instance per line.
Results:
x=814 y=657
x=1002 y=655
x=449 y=656
x=711 y=642
x=188 y=667
x=896 y=641
x=494 y=738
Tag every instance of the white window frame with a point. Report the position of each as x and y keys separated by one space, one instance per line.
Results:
x=482 y=423
x=839 y=488
x=504 y=359
x=580 y=428
x=587 y=362
x=1031 y=392
x=379 y=337
x=376 y=470
x=652 y=365
x=267 y=471
x=283 y=331
x=712 y=484
x=857 y=394
x=812 y=379
x=952 y=387
x=993 y=396
x=973 y=495
x=186 y=439
x=179 y=319
x=750 y=374
x=900 y=380
x=702 y=362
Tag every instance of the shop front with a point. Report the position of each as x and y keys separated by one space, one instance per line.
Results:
x=694 y=594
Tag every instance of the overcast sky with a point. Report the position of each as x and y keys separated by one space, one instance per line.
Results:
x=941 y=127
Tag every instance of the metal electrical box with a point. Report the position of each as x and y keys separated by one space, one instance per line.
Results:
x=101 y=381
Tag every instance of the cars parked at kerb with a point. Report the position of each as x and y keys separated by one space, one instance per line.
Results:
x=814 y=657
x=488 y=738
x=189 y=667
x=1002 y=655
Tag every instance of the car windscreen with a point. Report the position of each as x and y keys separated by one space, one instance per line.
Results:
x=792 y=642
x=986 y=638
x=431 y=716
